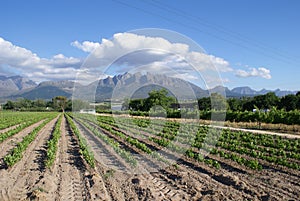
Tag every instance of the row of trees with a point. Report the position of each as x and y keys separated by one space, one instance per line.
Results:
x=280 y=109
x=262 y=102
x=270 y=100
x=216 y=102
x=59 y=103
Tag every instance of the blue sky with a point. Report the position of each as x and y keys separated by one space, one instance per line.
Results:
x=258 y=40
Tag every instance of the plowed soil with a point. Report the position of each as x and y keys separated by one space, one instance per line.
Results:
x=71 y=178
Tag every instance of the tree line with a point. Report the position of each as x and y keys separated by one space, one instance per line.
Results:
x=58 y=103
x=268 y=101
x=164 y=100
x=267 y=108
x=216 y=102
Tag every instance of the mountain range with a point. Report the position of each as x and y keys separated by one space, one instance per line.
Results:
x=133 y=85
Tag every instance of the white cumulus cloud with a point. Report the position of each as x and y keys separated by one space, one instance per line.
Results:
x=86 y=46
x=18 y=60
x=127 y=51
x=255 y=72
x=130 y=51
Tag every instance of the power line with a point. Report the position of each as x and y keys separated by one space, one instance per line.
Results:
x=177 y=12
x=216 y=27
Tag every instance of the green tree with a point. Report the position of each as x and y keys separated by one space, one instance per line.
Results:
x=234 y=104
x=159 y=97
x=137 y=105
x=60 y=102
x=289 y=102
x=247 y=104
x=204 y=103
x=266 y=101
x=39 y=103
x=9 y=105
x=24 y=103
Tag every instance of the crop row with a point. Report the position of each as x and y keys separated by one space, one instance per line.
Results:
x=270 y=145
x=271 y=155
x=160 y=141
x=134 y=142
x=16 y=153
x=234 y=145
x=52 y=143
x=26 y=122
x=127 y=156
x=9 y=119
x=84 y=150
x=272 y=141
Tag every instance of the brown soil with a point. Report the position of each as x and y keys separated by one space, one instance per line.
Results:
x=233 y=180
x=18 y=181
x=10 y=143
x=70 y=178
x=9 y=128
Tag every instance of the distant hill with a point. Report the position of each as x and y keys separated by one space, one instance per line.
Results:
x=125 y=85
x=221 y=90
x=139 y=85
x=247 y=91
x=14 y=84
x=46 y=90
x=43 y=92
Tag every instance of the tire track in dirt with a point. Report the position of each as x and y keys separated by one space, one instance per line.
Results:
x=156 y=183
x=236 y=183
x=103 y=153
x=191 y=184
x=21 y=178
x=71 y=169
x=70 y=177
x=241 y=183
x=110 y=165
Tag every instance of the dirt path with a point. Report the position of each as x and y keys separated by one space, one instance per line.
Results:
x=21 y=178
x=103 y=152
x=149 y=177
x=69 y=178
x=65 y=180
x=110 y=166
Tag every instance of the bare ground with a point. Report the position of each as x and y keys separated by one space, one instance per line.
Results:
x=18 y=181
x=8 y=129
x=232 y=182
x=70 y=178
x=11 y=142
